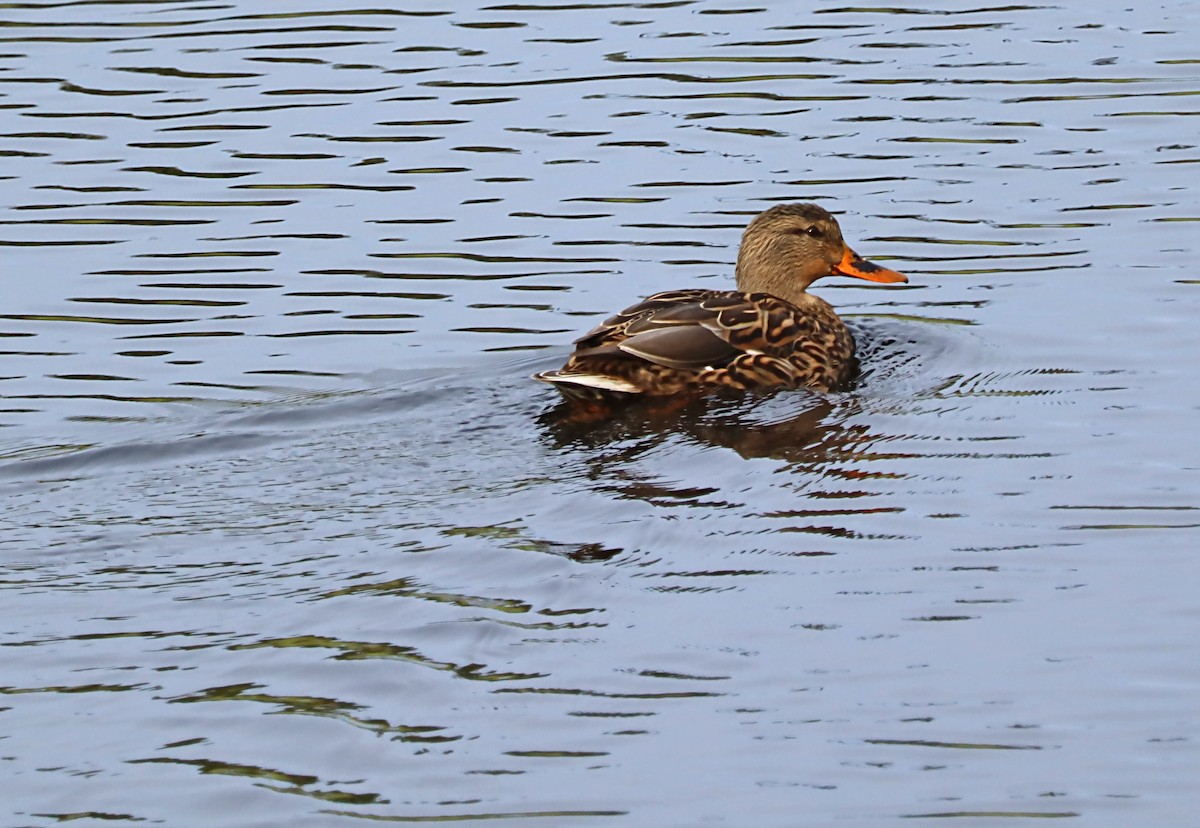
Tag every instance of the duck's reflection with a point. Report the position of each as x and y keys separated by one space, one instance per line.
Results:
x=797 y=426
x=656 y=455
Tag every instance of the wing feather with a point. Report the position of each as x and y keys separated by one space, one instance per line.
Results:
x=694 y=338
x=688 y=347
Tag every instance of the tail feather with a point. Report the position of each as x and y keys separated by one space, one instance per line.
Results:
x=584 y=385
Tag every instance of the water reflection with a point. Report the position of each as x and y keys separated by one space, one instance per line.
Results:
x=788 y=425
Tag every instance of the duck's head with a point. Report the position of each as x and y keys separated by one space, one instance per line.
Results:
x=790 y=246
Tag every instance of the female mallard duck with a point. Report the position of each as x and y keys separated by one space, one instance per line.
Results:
x=768 y=333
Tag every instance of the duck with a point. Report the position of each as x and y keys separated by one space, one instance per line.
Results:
x=768 y=333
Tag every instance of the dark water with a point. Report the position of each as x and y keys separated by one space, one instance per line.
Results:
x=290 y=538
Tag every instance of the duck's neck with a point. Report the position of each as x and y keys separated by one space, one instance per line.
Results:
x=763 y=269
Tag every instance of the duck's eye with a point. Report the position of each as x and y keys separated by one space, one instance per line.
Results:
x=812 y=231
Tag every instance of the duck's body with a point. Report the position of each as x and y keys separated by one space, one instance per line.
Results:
x=768 y=333
x=692 y=340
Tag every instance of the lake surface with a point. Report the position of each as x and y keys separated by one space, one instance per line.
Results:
x=291 y=538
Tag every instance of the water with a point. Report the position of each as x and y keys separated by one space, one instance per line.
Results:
x=291 y=538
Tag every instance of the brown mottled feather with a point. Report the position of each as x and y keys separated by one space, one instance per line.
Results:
x=696 y=339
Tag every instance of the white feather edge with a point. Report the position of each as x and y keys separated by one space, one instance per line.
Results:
x=588 y=380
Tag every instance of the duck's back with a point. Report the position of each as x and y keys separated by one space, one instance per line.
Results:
x=686 y=340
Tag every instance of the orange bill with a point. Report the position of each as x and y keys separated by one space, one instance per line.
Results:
x=853 y=264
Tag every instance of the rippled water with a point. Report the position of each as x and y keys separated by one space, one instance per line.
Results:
x=291 y=538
